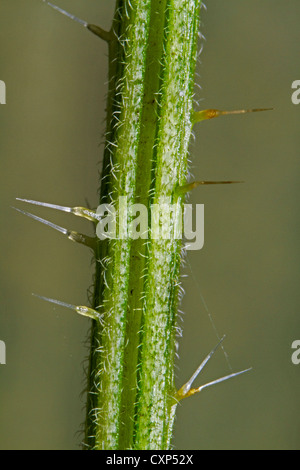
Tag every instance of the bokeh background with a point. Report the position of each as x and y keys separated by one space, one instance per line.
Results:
x=247 y=275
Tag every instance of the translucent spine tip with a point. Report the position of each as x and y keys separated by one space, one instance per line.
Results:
x=88 y=214
x=69 y=15
x=105 y=35
x=45 y=204
x=218 y=381
x=45 y=222
x=190 y=186
x=56 y=302
x=72 y=235
x=83 y=311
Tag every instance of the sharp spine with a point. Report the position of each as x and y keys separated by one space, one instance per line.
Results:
x=190 y=186
x=43 y=221
x=199 y=116
x=88 y=214
x=187 y=390
x=107 y=36
x=76 y=237
x=81 y=310
x=65 y=13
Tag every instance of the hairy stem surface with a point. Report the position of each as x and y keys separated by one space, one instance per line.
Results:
x=152 y=54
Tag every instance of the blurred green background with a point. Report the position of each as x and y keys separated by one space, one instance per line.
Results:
x=248 y=272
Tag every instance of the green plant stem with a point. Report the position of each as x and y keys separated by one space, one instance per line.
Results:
x=150 y=107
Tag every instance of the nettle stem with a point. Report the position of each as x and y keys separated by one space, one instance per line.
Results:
x=153 y=53
x=131 y=395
